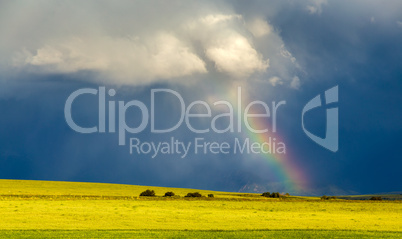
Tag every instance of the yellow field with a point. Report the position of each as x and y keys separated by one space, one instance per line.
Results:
x=29 y=187
x=57 y=205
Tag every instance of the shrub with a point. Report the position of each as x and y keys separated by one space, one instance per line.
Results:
x=266 y=194
x=210 y=195
x=271 y=195
x=148 y=193
x=287 y=194
x=169 y=194
x=275 y=195
x=376 y=198
x=327 y=197
x=193 y=195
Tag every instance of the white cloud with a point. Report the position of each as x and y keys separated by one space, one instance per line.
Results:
x=259 y=28
x=235 y=55
x=286 y=54
x=315 y=6
x=46 y=55
x=295 y=83
x=153 y=55
x=212 y=20
x=134 y=43
x=276 y=81
x=162 y=56
x=230 y=51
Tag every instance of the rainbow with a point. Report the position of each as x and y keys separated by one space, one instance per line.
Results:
x=288 y=175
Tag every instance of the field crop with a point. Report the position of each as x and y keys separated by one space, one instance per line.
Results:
x=46 y=209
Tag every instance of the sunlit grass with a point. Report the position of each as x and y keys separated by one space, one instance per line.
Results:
x=194 y=234
x=39 y=205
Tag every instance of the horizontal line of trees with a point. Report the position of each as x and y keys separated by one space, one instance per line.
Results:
x=151 y=193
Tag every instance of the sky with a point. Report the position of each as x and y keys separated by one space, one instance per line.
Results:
x=220 y=53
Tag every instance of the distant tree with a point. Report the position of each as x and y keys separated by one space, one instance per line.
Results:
x=210 y=195
x=287 y=194
x=327 y=197
x=169 y=194
x=266 y=194
x=275 y=195
x=376 y=198
x=148 y=193
x=193 y=195
x=271 y=195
